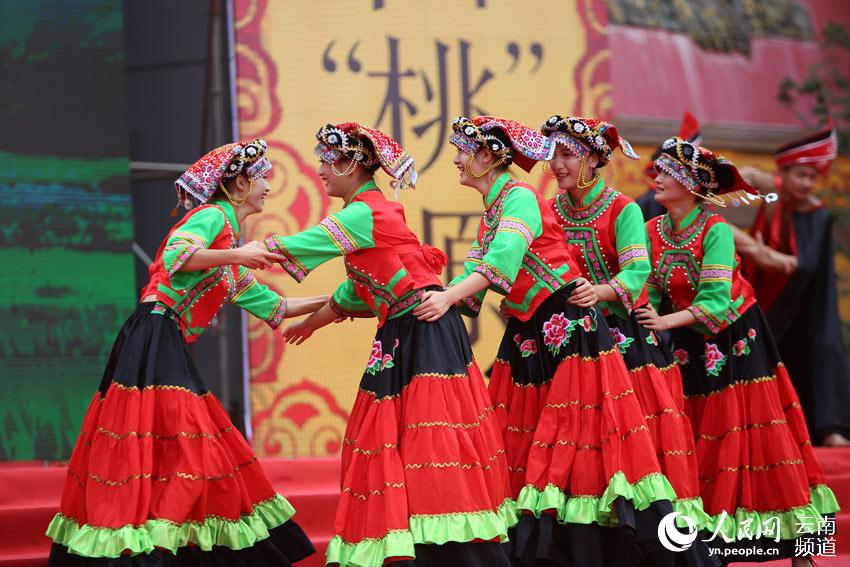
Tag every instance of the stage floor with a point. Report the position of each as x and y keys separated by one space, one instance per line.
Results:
x=30 y=493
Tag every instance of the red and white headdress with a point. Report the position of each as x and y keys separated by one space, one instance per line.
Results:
x=698 y=169
x=205 y=175
x=689 y=130
x=585 y=135
x=508 y=139
x=818 y=150
x=336 y=141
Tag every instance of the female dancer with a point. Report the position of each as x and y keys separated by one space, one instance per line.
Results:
x=159 y=475
x=580 y=454
x=424 y=475
x=605 y=230
x=759 y=478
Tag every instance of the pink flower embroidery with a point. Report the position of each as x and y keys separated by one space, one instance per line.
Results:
x=651 y=339
x=620 y=340
x=752 y=334
x=741 y=347
x=587 y=323
x=527 y=347
x=616 y=336
x=714 y=359
x=557 y=331
x=681 y=356
x=378 y=360
x=376 y=355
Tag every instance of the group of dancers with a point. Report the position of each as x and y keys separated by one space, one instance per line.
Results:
x=637 y=375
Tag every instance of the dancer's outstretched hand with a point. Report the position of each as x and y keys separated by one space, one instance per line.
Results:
x=297 y=333
x=583 y=295
x=254 y=255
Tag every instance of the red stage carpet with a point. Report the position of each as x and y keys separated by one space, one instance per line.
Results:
x=30 y=492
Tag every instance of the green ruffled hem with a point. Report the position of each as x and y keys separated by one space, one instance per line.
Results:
x=693 y=509
x=792 y=523
x=509 y=512
x=429 y=529
x=596 y=509
x=371 y=551
x=90 y=541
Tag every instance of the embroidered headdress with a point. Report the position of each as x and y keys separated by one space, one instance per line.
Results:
x=507 y=139
x=346 y=139
x=205 y=175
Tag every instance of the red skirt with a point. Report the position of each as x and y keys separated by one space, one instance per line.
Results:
x=424 y=473
x=658 y=385
x=160 y=471
x=581 y=456
x=757 y=468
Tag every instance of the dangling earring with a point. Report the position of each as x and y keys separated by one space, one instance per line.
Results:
x=582 y=183
x=351 y=165
x=182 y=200
x=233 y=200
x=547 y=171
x=468 y=167
x=710 y=197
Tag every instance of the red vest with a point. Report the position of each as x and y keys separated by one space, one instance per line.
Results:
x=396 y=247
x=197 y=305
x=591 y=236
x=548 y=248
x=677 y=264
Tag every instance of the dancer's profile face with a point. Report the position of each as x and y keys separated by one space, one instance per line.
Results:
x=338 y=185
x=478 y=161
x=255 y=198
x=669 y=192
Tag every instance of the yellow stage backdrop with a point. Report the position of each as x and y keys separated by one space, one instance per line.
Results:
x=407 y=68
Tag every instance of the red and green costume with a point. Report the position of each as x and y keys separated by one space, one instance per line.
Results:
x=606 y=232
x=159 y=470
x=755 y=457
x=424 y=474
x=581 y=458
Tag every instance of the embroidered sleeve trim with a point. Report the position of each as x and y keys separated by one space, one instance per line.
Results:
x=623 y=294
x=186 y=244
x=290 y=263
x=342 y=312
x=475 y=254
x=406 y=301
x=339 y=235
x=495 y=277
x=715 y=273
x=632 y=254
x=278 y=313
x=509 y=224
x=242 y=285
x=472 y=304
x=711 y=323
